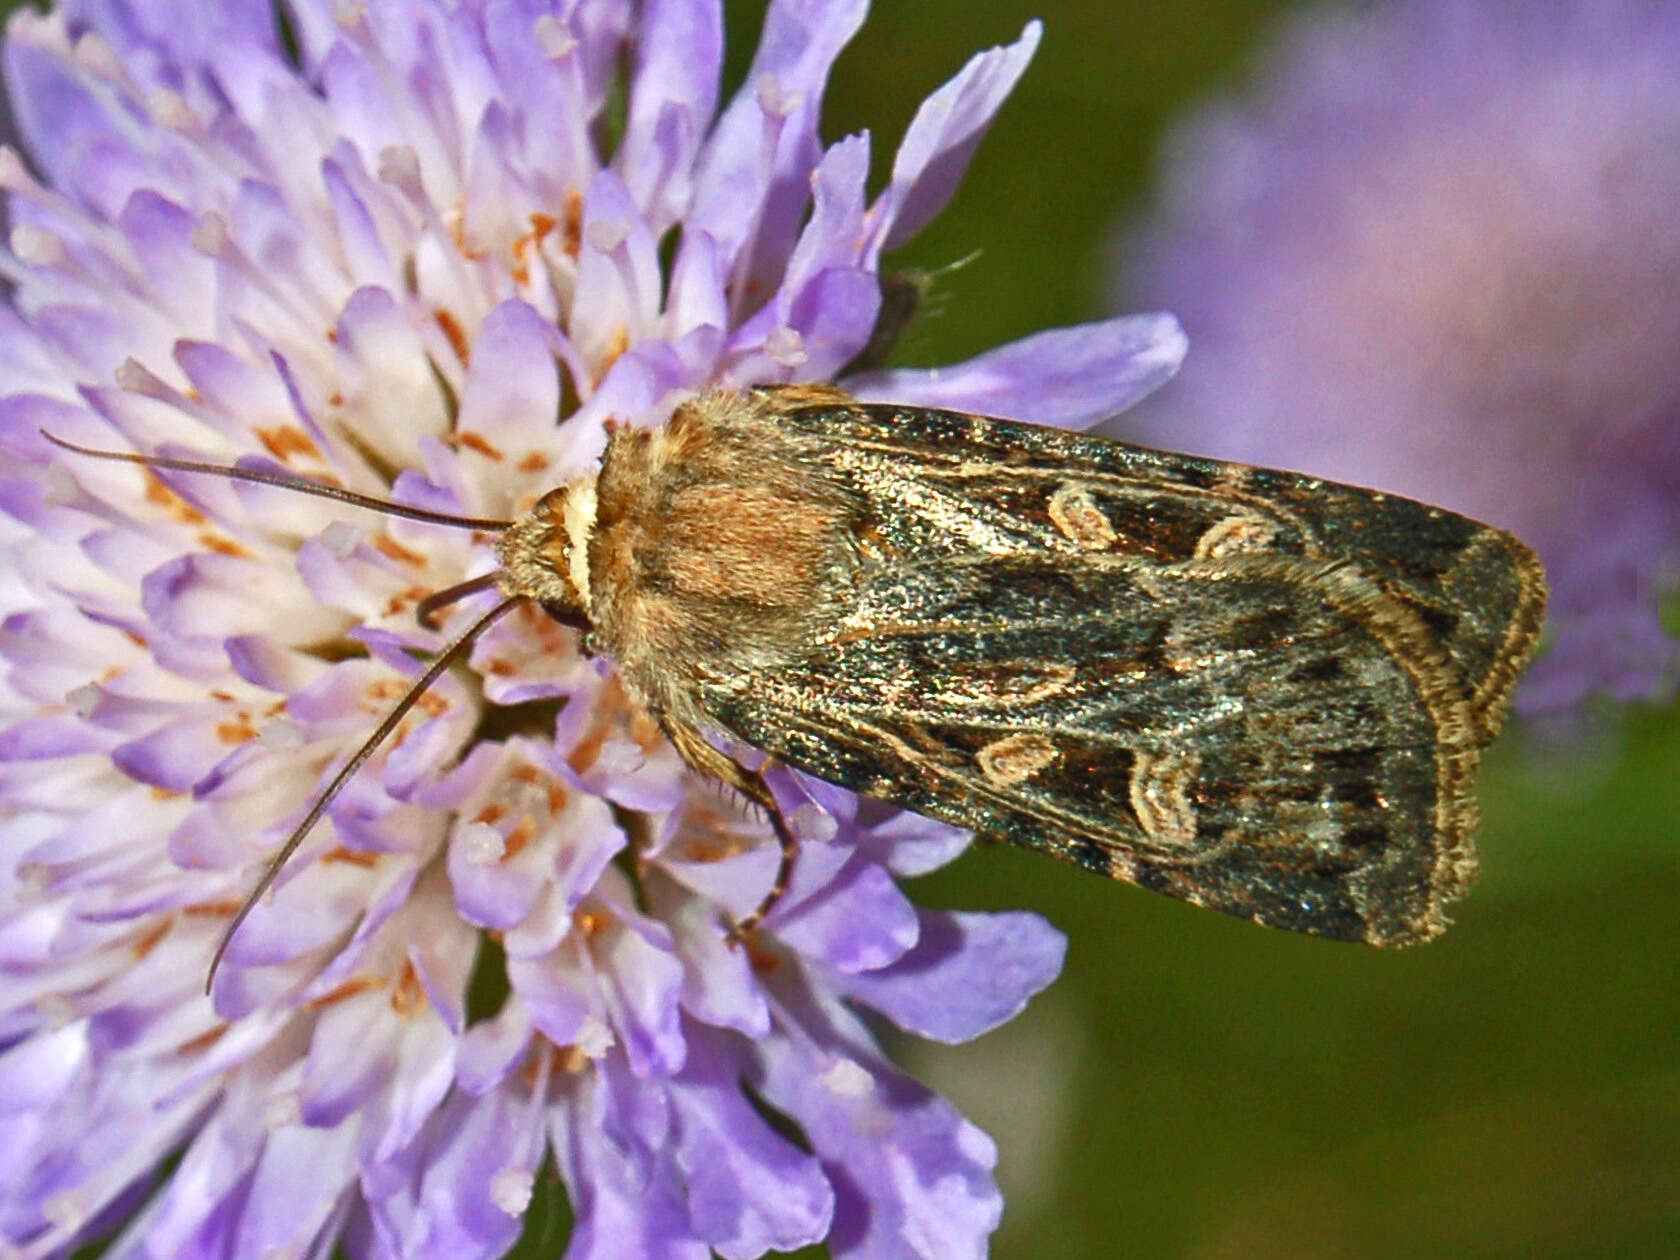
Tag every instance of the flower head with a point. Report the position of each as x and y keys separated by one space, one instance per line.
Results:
x=427 y=256
x=1434 y=252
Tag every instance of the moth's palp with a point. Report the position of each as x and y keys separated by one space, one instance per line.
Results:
x=426 y=611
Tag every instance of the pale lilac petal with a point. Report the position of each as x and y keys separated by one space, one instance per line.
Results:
x=967 y=974
x=492 y=1048
x=294 y=1187
x=1068 y=377
x=511 y=403
x=911 y=1176
x=749 y=1190
x=673 y=91
x=618 y=272
x=859 y=922
x=718 y=985
x=826 y=308
x=949 y=126
x=352 y=1051
x=622 y=1207
x=644 y=985
x=738 y=190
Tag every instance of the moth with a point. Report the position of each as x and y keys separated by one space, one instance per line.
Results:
x=1253 y=690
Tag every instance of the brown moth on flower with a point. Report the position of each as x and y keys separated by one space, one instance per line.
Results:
x=1250 y=689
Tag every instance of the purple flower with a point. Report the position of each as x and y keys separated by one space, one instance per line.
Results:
x=426 y=259
x=1435 y=251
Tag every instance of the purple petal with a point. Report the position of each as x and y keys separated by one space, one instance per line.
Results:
x=941 y=139
x=749 y=1189
x=719 y=986
x=829 y=296
x=737 y=191
x=673 y=91
x=41 y=1067
x=462 y=1208
x=175 y=757
x=623 y=1206
x=859 y=922
x=298 y=1177
x=910 y=1175
x=511 y=401
x=559 y=991
x=1067 y=377
x=967 y=974
x=42 y=738
x=642 y=997
x=492 y=1048
x=351 y=1054
x=619 y=279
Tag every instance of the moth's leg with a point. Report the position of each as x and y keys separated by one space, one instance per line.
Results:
x=692 y=748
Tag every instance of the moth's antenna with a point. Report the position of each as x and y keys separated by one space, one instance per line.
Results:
x=285 y=481
x=443 y=661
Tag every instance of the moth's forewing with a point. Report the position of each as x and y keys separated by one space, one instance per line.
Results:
x=948 y=482
x=1195 y=676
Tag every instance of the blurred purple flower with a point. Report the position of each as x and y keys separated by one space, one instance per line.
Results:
x=407 y=263
x=1437 y=251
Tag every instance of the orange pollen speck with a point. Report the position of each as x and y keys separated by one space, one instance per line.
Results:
x=204 y=1040
x=533 y=461
x=287 y=440
x=519 y=837
x=404 y=598
x=235 y=731
x=491 y=814
x=618 y=345
x=451 y=329
x=475 y=442
x=592 y=922
x=571 y=224
x=407 y=996
x=762 y=961
x=223 y=546
x=389 y=546
x=213 y=909
x=351 y=856
x=179 y=508
x=349 y=989
x=149 y=940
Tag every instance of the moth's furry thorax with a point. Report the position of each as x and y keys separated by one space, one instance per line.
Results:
x=702 y=549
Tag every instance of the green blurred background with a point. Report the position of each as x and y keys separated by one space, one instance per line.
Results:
x=1197 y=1086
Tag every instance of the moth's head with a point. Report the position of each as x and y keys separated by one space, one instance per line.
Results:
x=545 y=552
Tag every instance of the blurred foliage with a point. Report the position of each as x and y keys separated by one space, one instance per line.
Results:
x=1212 y=1089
